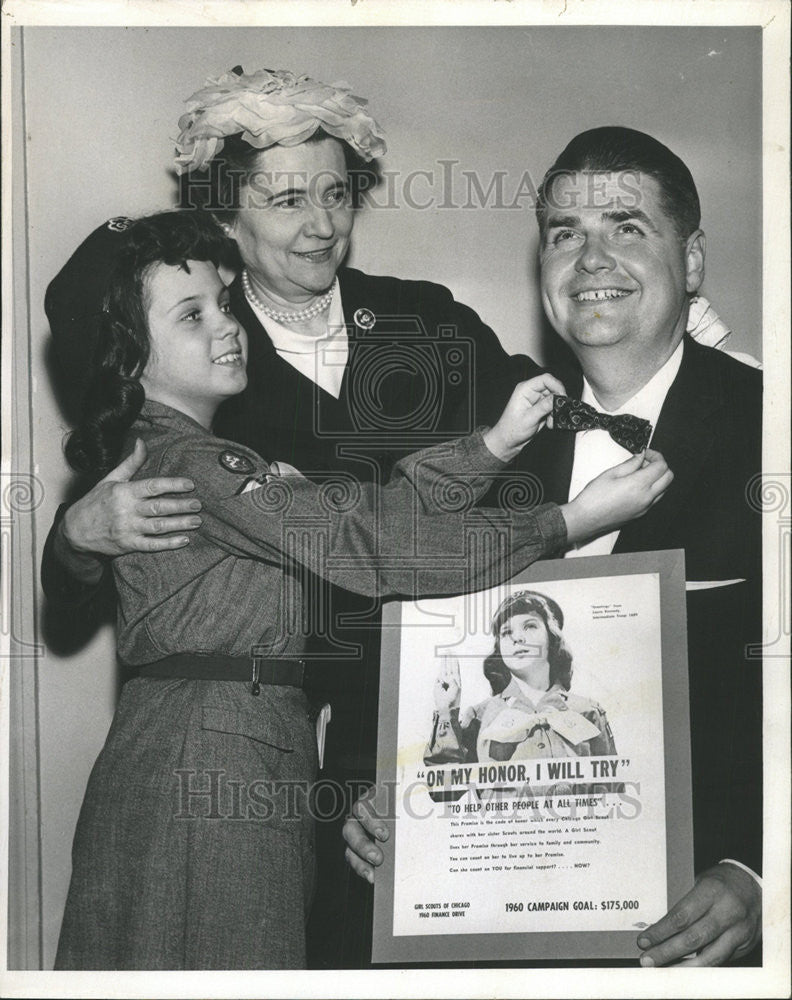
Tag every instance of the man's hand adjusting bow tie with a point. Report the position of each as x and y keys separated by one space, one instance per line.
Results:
x=630 y=432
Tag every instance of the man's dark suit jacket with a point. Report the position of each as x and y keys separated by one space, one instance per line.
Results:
x=709 y=432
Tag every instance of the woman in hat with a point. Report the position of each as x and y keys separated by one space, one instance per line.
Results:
x=347 y=371
x=532 y=713
x=337 y=357
x=194 y=846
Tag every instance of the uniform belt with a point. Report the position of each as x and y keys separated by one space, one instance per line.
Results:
x=199 y=667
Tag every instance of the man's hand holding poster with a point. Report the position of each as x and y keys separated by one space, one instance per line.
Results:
x=534 y=754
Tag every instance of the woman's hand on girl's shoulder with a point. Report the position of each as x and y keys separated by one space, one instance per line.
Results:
x=119 y=516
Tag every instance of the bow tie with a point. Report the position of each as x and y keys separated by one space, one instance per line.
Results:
x=630 y=432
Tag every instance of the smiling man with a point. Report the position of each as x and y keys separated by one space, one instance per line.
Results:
x=621 y=252
x=616 y=275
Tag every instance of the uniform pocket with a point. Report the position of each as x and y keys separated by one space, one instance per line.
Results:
x=257 y=726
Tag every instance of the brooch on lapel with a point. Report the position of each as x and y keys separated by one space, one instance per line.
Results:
x=364 y=318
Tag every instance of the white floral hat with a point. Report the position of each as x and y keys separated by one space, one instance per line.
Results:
x=271 y=107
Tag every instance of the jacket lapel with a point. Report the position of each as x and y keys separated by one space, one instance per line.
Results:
x=358 y=293
x=277 y=413
x=684 y=436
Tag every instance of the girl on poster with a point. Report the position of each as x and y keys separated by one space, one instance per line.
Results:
x=531 y=712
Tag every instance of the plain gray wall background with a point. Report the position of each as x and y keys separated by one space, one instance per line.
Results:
x=101 y=106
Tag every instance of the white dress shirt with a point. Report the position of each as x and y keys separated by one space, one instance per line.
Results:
x=321 y=359
x=596 y=451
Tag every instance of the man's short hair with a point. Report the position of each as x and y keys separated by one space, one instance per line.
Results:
x=613 y=148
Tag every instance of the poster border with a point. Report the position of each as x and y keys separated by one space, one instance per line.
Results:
x=773 y=16
x=669 y=565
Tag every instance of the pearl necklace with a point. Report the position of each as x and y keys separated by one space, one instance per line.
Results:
x=321 y=305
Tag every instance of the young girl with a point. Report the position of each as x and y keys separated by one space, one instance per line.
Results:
x=531 y=712
x=194 y=846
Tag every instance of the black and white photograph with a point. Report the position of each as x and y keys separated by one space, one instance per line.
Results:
x=529 y=802
x=340 y=341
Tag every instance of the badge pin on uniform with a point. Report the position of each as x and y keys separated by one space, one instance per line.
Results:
x=234 y=461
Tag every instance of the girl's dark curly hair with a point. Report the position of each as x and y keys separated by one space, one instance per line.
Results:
x=526 y=602
x=115 y=396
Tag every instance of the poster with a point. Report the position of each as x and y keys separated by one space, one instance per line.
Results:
x=113 y=76
x=533 y=823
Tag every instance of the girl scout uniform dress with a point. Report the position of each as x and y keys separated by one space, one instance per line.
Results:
x=194 y=846
x=510 y=727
